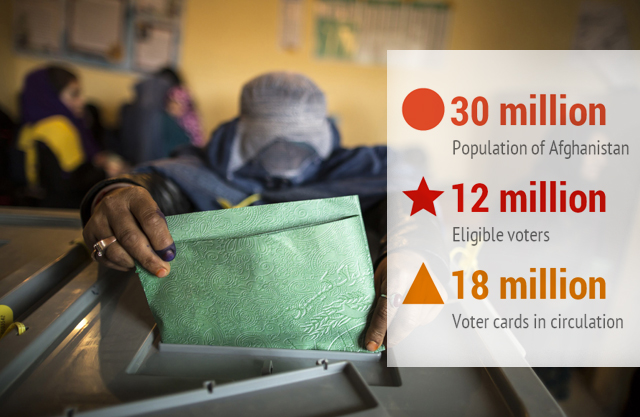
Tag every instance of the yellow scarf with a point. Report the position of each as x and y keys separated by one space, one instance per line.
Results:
x=60 y=135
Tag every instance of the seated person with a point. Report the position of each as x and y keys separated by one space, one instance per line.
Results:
x=181 y=109
x=281 y=148
x=161 y=118
x=52 y=107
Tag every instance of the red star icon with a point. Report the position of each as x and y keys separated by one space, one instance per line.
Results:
x=423 y=198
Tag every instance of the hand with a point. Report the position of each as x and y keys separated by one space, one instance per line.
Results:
x=175 y=108
x=378 y=327
x=387 y=309
x=110 y=163
x=114 y=167
x=133 y=217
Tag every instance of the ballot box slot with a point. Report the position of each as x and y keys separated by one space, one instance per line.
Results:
x=226 y=364
x=267 y=352
x=337 y=390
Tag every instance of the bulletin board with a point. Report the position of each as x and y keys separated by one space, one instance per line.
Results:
x=129 y=35
x=363 y=30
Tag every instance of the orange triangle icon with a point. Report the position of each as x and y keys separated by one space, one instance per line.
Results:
x=423 y=290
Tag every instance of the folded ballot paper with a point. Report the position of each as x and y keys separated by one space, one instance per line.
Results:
x=289 y=276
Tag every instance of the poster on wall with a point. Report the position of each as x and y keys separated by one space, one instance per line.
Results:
x=96 y=28
x=38 y=25
x=154 y=46
x=363 y=31
x=291 y=14
x=139 y=35
x=159 y=8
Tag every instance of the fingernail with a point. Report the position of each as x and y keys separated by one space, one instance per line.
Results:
x=167 y=254
x=372 y=346
x=162 y=272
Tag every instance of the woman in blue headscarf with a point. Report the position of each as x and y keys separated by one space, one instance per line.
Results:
x=52 y=107
x=281 y=148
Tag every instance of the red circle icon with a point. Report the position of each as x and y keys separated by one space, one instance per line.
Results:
x=423 y=109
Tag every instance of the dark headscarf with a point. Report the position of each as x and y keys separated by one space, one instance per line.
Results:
x=41 y=100
x=322 y=167
x=142 y=121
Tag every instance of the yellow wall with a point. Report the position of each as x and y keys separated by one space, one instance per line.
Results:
x=227 y=42
x=6 y=57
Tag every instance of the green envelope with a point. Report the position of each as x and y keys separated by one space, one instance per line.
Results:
x=289 y=276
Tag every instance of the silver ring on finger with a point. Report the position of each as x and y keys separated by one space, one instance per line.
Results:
x=101 y=246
